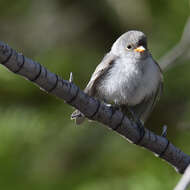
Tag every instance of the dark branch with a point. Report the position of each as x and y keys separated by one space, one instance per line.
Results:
x=91 y=108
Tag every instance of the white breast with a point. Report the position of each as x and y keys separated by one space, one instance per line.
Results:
x=129 y=83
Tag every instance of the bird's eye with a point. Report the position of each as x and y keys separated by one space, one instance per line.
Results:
x=129 y=47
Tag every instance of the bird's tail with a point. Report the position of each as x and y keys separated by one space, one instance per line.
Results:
x=78 y=117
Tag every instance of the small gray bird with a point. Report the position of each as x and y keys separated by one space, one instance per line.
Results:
x=128 y=76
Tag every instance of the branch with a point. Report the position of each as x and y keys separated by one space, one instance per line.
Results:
x=92 y=108
x=170 y=58
x=185 y=180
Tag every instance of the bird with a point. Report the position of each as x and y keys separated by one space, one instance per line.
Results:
x=128 y=77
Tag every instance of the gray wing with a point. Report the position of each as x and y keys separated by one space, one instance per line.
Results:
x=156 y=96
x=143 y=110
x=90 y=89
x=99 y=72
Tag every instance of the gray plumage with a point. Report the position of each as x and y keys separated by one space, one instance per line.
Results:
x=128 y=76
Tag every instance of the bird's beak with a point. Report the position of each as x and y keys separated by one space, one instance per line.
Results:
x=140 y=49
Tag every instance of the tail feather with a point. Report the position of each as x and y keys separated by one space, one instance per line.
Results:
x=78 y=117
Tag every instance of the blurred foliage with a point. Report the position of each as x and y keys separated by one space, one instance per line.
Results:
x=40 y=148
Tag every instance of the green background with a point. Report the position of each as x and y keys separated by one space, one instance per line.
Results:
x=40 y=148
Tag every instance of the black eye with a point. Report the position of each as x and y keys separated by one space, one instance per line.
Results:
x=129 y=47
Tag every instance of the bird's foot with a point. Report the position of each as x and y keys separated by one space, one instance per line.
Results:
x=114 y=106
x=141 y=130
x=139 y=124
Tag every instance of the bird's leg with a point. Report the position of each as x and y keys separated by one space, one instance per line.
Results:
x=164 y=133
x=127 y=110
x=139 y=124
x=131 y=114
x=134 y=118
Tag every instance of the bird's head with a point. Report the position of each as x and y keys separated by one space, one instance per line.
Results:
x=131 y=44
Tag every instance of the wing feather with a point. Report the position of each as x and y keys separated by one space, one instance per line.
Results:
x=90 y=89
x=99 y=72
x=143 y=110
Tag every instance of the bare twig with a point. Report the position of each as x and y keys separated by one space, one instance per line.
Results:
x=170 y=58
x=164 y=131
x=185 y=180
x=71 y=77
x=92 y=108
